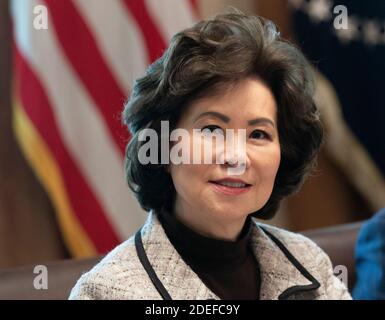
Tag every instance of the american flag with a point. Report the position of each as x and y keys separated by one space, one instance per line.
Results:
x=70 y=83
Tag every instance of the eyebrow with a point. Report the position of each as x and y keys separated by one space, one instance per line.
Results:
x=226 y=119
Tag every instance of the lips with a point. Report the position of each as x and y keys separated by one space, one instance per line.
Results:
x=234 y=183
x=229 y=187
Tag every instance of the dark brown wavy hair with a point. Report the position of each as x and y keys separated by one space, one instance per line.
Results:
x=222 y=51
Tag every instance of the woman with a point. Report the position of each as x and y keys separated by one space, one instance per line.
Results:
x=200 y=241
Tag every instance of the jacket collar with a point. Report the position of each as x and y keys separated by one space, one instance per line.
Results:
x=281 y=274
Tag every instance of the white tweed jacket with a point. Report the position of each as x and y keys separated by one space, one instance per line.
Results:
x=291 y=267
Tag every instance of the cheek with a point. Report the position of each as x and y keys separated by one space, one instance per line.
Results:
x=268 y=164
x=187 y=178
x=275 y=161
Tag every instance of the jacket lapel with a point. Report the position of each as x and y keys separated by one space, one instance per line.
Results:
x=281 y=274
x=181 y=282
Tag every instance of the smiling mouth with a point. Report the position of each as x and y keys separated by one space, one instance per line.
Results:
x=231 y=184
x=235 y=185
x=236 y=188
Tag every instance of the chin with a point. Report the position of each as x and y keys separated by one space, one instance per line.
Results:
x=229 y=212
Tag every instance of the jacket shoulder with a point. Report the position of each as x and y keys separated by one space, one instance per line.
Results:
x=313 y=258
x=295 y=242
x=119 y=275
x=303 y=249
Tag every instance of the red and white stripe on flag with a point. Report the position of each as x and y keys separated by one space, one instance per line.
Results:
x=70 y=84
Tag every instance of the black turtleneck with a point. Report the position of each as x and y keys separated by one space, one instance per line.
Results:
x=228 y=268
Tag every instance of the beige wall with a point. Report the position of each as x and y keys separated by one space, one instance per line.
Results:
x=211 y=7
x=276 y=10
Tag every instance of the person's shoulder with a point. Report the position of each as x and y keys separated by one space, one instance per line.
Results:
x=117 y=276
x=302 y=249
x=312 y=258
x=296 y=243
x=370 y=262
x=373 y=229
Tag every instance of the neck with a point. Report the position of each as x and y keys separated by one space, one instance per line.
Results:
x=207 y=226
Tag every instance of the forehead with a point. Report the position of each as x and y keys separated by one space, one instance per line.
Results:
x=248 y=98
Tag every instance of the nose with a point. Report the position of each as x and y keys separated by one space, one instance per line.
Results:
x=234 y=156
x=237 y=160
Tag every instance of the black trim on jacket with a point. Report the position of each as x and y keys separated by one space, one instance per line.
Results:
x=283 y=296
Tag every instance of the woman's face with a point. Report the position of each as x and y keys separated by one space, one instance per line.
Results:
x=198 y=198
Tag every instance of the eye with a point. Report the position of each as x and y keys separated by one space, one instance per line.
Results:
x=212 y=129
x=260 y=134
